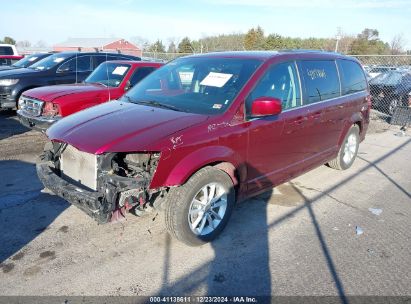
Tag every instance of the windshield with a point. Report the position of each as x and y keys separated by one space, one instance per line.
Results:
x=389 y=79
x=109 y=74
x=50 y=62
x=201 y=85
x=26 y=61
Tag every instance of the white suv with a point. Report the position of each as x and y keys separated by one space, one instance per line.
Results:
x=8 y=49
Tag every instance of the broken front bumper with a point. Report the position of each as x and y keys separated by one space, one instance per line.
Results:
x=95 y=204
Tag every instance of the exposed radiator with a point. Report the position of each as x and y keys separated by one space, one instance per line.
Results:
x=79 y=166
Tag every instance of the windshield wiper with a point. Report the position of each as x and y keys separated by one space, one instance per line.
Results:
x=97 y=83
x=154 y=104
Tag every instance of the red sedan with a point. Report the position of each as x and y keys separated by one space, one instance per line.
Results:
x=41 y=107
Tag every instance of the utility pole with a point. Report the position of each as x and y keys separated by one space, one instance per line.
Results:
x=337 y=37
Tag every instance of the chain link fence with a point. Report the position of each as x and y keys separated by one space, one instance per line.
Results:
x=389 y=77
x=163 y=57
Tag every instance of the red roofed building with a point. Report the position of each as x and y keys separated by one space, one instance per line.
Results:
x=116 y=45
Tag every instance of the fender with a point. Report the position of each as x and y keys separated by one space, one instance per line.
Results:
x=356 y=118
x=191 y=163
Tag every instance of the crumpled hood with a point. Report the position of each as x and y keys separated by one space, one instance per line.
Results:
x=121 y=127
x=50 y=93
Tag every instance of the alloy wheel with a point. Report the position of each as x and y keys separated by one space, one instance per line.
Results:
x=207 y=209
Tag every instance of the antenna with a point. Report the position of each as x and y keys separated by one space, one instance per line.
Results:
x=108 y=79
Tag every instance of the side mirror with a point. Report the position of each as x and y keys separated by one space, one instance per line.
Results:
x=127 y=86
x=64 y=70
x=266 y=106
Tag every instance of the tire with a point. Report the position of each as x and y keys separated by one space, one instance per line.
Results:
x=348 y=150
x=191 y=197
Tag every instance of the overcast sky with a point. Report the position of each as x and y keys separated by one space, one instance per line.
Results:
x=54 y=21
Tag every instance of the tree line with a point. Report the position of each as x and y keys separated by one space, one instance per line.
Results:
x=366 y=42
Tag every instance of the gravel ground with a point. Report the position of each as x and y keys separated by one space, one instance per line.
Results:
x=298 y=240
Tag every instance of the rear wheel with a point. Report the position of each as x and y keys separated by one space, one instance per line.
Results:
x=348 y=150
x=198 y=211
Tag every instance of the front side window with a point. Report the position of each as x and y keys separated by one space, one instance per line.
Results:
x=280 y=81
x=203 y=85
x=320 y=79
x=109 y=74
x=352 y=77
x=79 y=64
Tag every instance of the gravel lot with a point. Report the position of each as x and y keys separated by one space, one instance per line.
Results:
x=300 y=240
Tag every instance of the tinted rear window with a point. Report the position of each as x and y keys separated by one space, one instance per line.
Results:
x=6 y=50
x=320 y=79
x=352 y=77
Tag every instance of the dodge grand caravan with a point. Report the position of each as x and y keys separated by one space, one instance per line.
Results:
x=205 y=131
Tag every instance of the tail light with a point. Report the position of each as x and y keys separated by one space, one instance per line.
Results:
x=50 y=109
x=369 y=102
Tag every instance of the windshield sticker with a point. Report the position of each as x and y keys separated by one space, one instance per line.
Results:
x=119 y=70
x=32 y=58
x=217 y=106
x=58 y=59
x=186 y=77
x=216 y=79
x=316 y=73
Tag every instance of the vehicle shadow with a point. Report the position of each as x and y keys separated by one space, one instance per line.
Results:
x=25 y=212
x=241 y=258
x=10 y=125
x=241 y=264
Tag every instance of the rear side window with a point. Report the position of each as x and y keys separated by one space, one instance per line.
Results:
x=320 y=79
x=6 y=50
x=139 y=74
x=352 y=77
x=100 y=59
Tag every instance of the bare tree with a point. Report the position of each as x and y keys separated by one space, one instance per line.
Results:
x=23 y=44
x=40 y=44
x=141 y=42
x=397 y=44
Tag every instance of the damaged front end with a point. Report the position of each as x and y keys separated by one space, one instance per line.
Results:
x=103 y=186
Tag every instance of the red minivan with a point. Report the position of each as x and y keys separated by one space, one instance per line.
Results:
x=39 y=108
x=205 y=131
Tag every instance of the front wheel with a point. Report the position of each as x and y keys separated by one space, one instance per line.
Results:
x=198 y=211
x=348 y=150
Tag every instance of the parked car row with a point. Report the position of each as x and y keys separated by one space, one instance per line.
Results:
x=24 y=62
x=59 y=68
x=195 y=135
x=41 y=107
x=390 y=90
